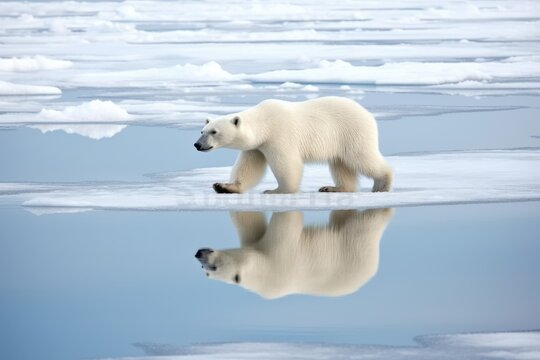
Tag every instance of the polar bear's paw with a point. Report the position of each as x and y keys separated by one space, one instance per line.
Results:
x=226 y=188
x=383 y=184
x=333 y=189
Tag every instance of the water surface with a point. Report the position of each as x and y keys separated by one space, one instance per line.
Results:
x=91 y=285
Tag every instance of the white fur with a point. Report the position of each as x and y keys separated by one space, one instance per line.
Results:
x=284 y=257
x=285 y=135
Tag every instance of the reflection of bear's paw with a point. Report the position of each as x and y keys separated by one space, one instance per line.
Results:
x=221 y=188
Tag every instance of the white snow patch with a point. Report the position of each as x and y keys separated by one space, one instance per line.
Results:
x=403 y=73
x=469 y=84
x=58 y=27
x=182 y=73
x=290 y=85
x=241 y=87
x=503 y=340
x=9 y=88
x=90 y=114
x=123 y=12
x=35 y=63
x=310 y=88
x=334 y=72
x=295 y=86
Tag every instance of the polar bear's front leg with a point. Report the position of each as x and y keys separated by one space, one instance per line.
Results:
x=250 y=226
x=246 y=173
x=287 y=169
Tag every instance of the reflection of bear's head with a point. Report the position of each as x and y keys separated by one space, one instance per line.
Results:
x=222 y=132
x=221 y=265
x=284 y=257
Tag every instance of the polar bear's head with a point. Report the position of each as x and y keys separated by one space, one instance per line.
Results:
x=222 y=132
x=223 y=265
x=243 y=267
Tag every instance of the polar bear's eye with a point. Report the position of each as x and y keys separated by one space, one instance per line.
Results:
x=237 y=278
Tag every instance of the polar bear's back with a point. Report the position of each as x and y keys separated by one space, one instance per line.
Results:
x=319 y=112
x=322 y=128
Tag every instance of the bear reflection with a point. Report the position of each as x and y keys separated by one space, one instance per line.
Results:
x=283 y=257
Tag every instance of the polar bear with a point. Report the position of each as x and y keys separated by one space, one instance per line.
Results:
x=284 y=257
x=287 y=134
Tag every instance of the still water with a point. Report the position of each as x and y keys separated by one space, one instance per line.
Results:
x=110 y=284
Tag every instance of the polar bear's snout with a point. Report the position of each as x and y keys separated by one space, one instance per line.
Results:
x=202 y=255
x=203 y=144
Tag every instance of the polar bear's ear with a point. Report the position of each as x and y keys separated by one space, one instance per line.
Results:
x=207 y=121
x=236 y=121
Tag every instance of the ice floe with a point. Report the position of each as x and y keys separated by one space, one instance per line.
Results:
x=140 y=44
x=9 y=88
x=93 y=111
x=403 y=73
x=431 y=179
x=33 y=63
x=475 y=346
x=95 y=119
x=490 y=74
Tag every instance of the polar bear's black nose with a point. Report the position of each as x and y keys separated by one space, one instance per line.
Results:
x=197 y=146
x=203 y=252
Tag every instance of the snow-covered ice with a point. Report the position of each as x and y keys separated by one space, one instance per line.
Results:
x=193 y=51
x=430 y=179
x=504 y=345
x=405 y=73
x=210 y=72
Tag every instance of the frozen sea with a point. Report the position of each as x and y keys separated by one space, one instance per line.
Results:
x=104 y=201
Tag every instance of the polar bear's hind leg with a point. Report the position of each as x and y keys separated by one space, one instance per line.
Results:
x=383 y=182
x=374 y=166
x=345 y=178
x=382 y=176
